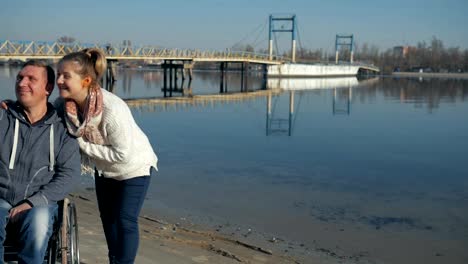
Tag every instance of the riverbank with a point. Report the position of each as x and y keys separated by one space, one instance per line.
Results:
x=182 y=242
x=431 y=75
x=168 y=240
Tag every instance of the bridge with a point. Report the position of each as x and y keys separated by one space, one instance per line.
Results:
x=174 y=60
x=24 y=50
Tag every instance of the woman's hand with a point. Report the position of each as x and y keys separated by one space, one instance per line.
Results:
x=4 y=103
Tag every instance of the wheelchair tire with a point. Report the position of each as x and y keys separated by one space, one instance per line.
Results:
x=74 y=250
x=53 y=250
x=68 y=235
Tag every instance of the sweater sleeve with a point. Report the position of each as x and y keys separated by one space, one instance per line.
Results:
x=66 y=168
x=118 y=138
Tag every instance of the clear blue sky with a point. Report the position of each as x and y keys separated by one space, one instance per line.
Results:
x=216 y=24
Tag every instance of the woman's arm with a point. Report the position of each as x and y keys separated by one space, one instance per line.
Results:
x=118 y=142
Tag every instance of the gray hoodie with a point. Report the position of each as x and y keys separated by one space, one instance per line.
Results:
x=37 y=162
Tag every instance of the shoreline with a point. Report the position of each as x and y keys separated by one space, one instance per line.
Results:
x=431 y=75
x=167 y=241
x=166 y=237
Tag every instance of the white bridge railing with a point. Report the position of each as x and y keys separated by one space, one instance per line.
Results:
x=30 y=49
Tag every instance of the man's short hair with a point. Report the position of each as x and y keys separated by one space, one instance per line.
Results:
x=46 y=66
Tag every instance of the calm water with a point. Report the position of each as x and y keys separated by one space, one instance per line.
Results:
x=374 y=171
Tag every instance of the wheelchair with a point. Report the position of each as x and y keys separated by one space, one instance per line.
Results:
x=63 y=243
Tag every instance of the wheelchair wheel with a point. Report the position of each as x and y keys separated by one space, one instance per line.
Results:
x=53 y=250
x=68 y=236
x=74 y=252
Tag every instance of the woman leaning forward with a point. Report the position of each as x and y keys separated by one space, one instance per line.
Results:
x=112 y=145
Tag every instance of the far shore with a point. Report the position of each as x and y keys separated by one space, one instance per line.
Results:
x=431 y=75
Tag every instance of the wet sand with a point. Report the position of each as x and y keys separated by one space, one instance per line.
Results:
x=165 y=242
x=166 y=239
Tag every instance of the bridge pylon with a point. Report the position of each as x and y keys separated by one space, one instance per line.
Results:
x=347 y=41
x=291 y=18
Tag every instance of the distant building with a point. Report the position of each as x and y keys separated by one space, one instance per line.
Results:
x=401 y=51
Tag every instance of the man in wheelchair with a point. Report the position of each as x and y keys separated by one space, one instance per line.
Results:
x=38 y=160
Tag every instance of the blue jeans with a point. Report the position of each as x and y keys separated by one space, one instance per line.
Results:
x=120 y=204
x=33 y=227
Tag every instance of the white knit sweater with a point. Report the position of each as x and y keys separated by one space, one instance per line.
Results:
x=127 y=152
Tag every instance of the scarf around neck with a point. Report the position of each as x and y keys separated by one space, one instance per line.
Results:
x=88 y=126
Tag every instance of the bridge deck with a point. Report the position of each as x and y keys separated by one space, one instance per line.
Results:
x=24 y=50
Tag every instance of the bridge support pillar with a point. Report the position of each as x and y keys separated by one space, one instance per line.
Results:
x=188 y=67
x=110 y=71
x=223 y=82
x=110 y=76
x=265 y=76
x=170 y=69
x=244 y=76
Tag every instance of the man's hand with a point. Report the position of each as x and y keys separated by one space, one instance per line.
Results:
x=17 y=210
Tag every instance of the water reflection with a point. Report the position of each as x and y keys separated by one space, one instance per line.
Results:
x=276 y=124
x=342 y=89
x=429 y=93
x=311 y=83
x=147 y=83
x=139 y=83
x=280 y=121
x=342 y=101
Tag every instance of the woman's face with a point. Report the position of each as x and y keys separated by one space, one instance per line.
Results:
x=70 y=83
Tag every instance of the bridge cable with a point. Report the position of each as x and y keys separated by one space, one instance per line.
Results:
x=276 y=45
x=259 y=34
x=323 y=51
x=299 y=39
x=249 y=34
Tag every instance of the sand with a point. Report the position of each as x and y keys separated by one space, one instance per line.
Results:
x=165 y=242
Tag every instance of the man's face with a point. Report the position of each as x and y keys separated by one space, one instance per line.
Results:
x=31 y=86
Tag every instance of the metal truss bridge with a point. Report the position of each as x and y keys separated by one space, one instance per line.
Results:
x=24 y=50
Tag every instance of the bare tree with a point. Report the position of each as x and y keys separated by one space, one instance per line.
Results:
x=66 y=39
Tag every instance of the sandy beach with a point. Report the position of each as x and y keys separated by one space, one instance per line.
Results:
x=165 y=242
x=165 y=239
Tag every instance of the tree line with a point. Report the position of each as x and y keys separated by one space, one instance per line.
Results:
x=432 y=56
x=427 y=57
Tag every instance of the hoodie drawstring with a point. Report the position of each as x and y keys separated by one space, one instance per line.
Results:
x=51 y=148
x=15 y=146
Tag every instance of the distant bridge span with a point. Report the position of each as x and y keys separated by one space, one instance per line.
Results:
x=24 y=50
